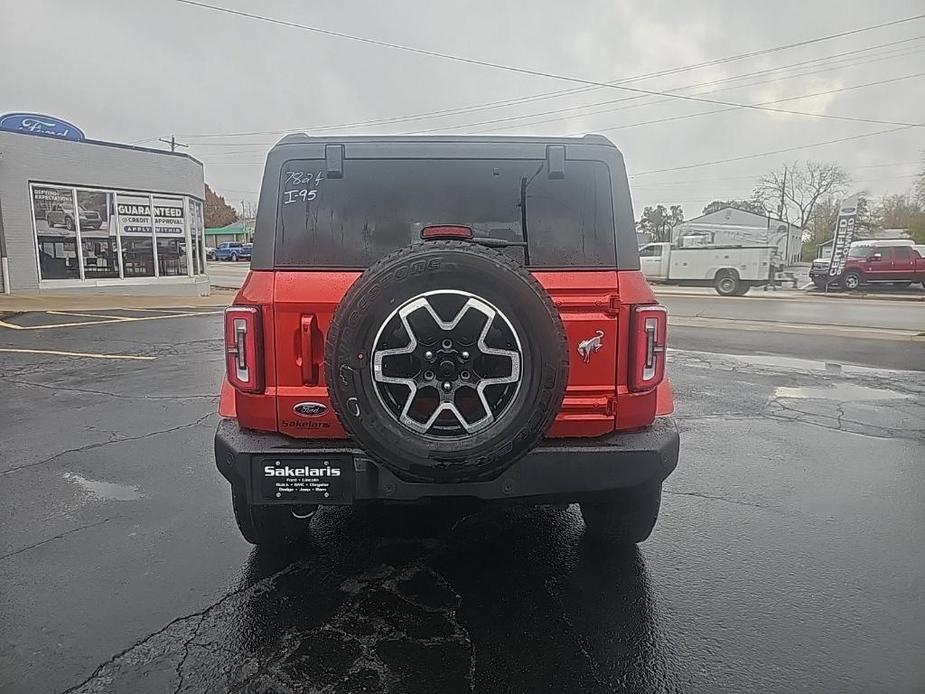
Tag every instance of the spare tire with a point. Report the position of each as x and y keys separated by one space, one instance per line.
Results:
x=446 y=361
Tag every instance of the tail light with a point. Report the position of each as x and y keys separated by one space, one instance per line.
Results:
x=446 y=231
x=649 y=330
x=244 y=348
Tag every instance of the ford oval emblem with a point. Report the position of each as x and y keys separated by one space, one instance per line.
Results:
x=38 y=124
x=310 y=409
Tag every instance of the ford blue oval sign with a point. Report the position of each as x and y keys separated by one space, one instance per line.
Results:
x=310 y=409
x=37 y=124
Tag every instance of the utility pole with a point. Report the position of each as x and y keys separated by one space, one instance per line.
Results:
x=783 y=188
x=173 y=143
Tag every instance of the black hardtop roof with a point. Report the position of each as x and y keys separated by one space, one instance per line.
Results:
x=337 y=149
x=305 y=138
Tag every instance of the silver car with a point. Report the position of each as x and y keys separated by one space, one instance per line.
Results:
x=62 y=215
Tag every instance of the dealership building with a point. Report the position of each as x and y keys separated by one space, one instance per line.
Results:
x=85 y=215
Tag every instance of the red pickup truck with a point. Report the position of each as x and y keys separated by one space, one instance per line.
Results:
x=895 y=262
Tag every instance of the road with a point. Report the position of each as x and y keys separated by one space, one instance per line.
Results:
x=689 y=307
x=801 y=309
x=789 y=556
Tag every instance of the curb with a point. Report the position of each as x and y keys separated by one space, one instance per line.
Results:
x=799 y=328
x=864 y=295
x=30 y=304
x=792 y=295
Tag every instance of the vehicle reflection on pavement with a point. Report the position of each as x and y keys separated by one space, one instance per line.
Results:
x=393 y=598
x=547 y=607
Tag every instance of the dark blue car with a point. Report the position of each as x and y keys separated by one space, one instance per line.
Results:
x=233 y=251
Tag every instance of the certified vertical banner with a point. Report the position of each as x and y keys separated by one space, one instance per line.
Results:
x=844 y=235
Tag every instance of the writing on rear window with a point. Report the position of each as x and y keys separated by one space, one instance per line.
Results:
x=381 y=205
x=301 y=186
x=298 y=178
x=303 y=194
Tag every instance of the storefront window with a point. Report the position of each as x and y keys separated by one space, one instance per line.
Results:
x=136 y=231
x=195 y=252
x=197 y=231
x=97 y=234
x=170 y=229
x=171 y=257
x=137 y=257
x=91 y=234
x=55 y=232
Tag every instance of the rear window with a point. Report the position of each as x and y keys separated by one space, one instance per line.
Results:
x=382 y=205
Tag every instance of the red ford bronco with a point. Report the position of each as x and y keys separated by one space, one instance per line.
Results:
x=445 y=317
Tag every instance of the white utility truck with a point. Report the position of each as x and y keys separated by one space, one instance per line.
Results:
x=731 y=270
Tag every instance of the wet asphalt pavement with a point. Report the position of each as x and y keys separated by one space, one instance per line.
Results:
x=789 y=555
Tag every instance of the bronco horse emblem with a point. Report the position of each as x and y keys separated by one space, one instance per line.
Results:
x=588 y=347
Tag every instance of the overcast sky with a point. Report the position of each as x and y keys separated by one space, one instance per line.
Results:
x=132 y=71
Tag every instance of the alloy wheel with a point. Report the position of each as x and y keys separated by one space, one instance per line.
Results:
x=446 y=363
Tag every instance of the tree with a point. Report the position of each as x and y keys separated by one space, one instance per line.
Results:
x=754 y=205
x=658 y=221
x=916 y=228
x=902 y=212
x=218 y=212
x=920 y=186
x=821 y=224
x=797 y=188
x=895 y=211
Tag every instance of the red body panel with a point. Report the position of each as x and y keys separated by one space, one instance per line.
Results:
x=297 y=308
x=313 y=296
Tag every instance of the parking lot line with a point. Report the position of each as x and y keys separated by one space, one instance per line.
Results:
x=109 y=321
x=170 y=311
x=86 y=315
x=88 y=355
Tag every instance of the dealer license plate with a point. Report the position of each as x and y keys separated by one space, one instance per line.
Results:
x=304 y=480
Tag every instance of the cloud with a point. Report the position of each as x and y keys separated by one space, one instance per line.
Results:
x=135 y=71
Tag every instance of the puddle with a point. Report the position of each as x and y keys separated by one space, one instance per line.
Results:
x=104 y=490
x=842 y=392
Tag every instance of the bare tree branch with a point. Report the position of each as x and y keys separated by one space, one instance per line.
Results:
x=797 y=188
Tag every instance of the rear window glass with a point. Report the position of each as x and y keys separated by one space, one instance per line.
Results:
x=382 y=205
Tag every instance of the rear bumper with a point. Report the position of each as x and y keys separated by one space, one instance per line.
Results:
x=559 y=470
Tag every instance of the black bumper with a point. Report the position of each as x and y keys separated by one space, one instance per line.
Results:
x=822 y=274
x=559 y=470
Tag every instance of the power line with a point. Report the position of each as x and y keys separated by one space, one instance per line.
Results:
x=521 y=70
x=264 y=145
x=713 y=181
x=547 y=95
x=723 y=80
x=685 y=167
x=772 y=152
x=648 y=103
x=513 y=126
x=725 y=110
x=777 y=101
